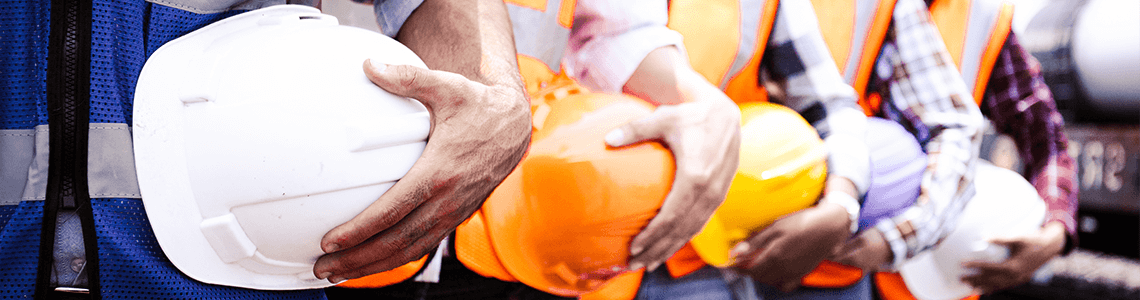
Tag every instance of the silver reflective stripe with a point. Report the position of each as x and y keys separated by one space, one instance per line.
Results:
x=864 y=18
x=750 y=13
x=215 y=6
x=982 y=21
x=16 y=153
x=110 y=163
x=538 y=34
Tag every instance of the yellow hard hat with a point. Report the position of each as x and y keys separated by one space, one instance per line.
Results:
x=783 y=166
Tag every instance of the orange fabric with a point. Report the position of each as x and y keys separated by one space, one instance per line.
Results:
x=386 y=278
x=473 y=248
x=535 y=73
x=871 y=104
x=743 y=87
x=952 y=17
x=892 y=287
x=837 y=23
x=622 y=287
x=832 y=275
x=871 y=46
x=711 y=34
x=566 y=13
x=684 y=262
x=993 y=48
x=539 y=5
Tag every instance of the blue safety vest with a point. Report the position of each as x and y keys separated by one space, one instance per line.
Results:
x=41 y=104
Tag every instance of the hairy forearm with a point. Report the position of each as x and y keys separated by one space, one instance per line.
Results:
x=471 y=38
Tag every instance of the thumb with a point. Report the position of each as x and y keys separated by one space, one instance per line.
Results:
x=424 y=85
x=651 y=127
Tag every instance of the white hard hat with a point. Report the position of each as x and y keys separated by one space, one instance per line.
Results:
x=1004 y=205
x=256 y=135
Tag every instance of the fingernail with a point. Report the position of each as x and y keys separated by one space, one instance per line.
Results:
x=739 y=250
x=337 y=280
x=377 y=66
x=637 y=249
x=324 y=275
x=332 y=247
x=614 y=138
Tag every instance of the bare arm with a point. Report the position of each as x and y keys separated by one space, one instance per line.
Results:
x=480 y=129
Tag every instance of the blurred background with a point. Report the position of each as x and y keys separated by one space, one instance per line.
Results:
x=1090 y=55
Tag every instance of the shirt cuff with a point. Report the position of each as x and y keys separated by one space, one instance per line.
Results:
x=391 y=14
x=894 y=238
x=605 y=63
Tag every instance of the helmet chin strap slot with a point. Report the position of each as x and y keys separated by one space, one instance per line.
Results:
x=227 y=238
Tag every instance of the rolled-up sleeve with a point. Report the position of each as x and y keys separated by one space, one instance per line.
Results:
x=928 y=96
x=609 y=40
x=391 y=14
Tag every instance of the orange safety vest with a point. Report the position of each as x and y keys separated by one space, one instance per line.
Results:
x=854 y=33
x=974 y=32
x=542 y=30
x=725 y=41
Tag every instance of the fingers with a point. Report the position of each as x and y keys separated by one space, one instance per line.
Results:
x=651 y=127
x=411 y=238
x=403 y=197
x=678 y=220
x=427 y=86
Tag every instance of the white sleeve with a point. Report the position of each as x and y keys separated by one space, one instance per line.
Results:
x=609 y=40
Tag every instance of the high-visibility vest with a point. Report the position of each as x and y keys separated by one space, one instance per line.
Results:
x=854 y=32
x=974 y=32
x=725 y=41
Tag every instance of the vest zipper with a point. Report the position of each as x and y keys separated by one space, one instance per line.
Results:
x=68 y=96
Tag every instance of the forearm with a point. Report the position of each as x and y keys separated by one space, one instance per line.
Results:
x=471 y=39
x=665 y=77
x=930 y=93
x=1021 y=106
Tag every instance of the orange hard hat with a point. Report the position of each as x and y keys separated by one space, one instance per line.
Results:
x=783 y=166
x=562 y=222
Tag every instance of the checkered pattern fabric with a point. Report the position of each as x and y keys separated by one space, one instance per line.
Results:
x=798 y=63
x=927 y=95
x=1021 y=106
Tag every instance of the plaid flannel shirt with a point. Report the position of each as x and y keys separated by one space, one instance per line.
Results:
x=925 y=93
x=611 y=38
x=798 y=65
x=1021 y=106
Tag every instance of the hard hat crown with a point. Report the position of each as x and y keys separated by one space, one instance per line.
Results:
x=257 y=134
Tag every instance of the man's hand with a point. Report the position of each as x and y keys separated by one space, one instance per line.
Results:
x=869 y=251
x=478 y=135
x=1026 y=254
x=791 y=247
x=704 y=137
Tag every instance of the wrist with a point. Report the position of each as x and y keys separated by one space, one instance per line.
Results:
x=849 y=205
x=1054 y=234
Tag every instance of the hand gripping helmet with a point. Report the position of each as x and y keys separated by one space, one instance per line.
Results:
x=783 y=166
x=1004 y=205
x=562 y=222
x=256 y=135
